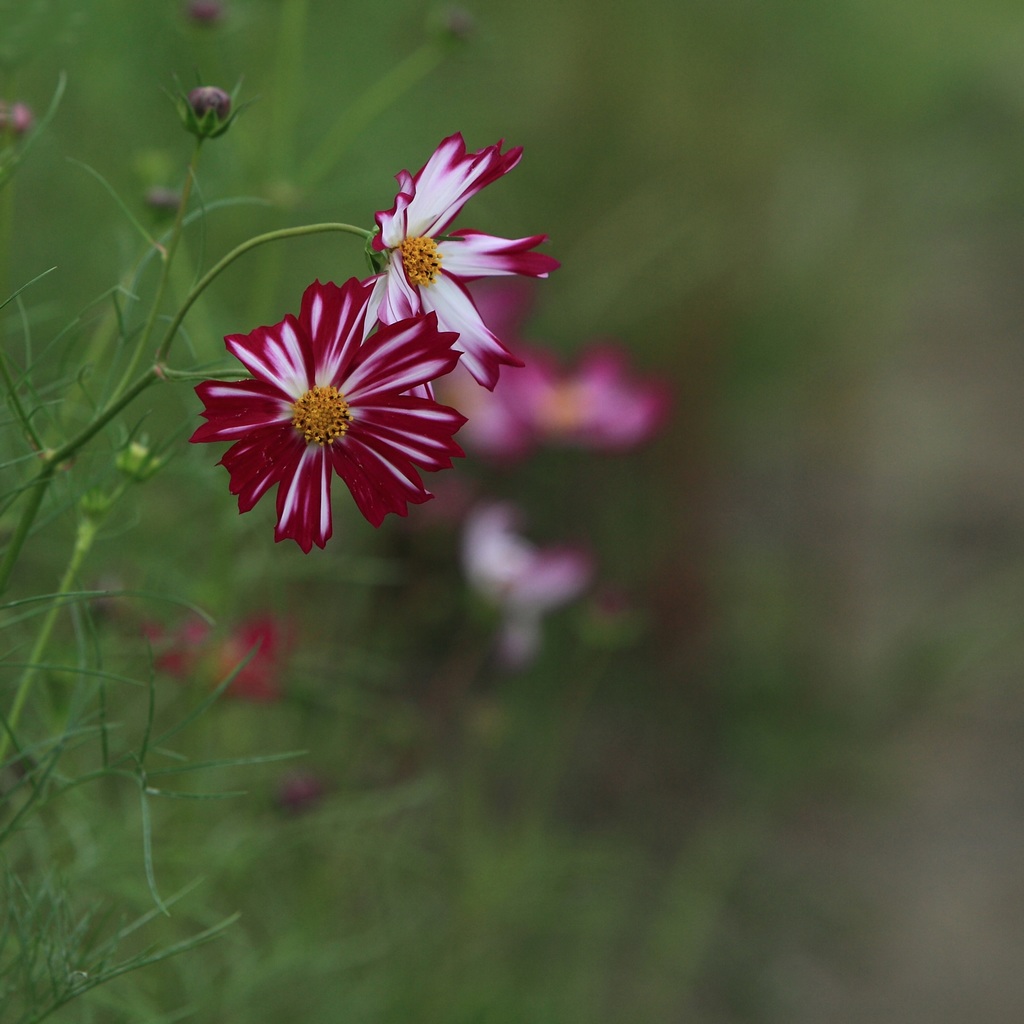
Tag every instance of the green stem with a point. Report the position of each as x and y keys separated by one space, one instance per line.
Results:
x=223 y=264
x=88 y=527
x=19 y=409
x=365 y=108
x=165 y=270
x=55 y=456
x=52 y=458
x=28 y=515
x=288 y=75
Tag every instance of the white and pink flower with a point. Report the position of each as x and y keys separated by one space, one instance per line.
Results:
x=426 y=265
x=522 y=580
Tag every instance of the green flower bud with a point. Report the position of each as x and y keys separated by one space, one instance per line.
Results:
x=137 y=462
x=94 y=504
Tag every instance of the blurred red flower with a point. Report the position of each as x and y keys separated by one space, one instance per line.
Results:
x=196 y=651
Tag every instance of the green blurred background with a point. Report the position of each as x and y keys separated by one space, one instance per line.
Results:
x=792 y=789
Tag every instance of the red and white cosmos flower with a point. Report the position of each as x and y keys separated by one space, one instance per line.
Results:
x=428 y=264
x=326 y=396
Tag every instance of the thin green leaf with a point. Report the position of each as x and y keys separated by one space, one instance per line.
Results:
x=27 y=284
x=136 y=223
x=227 y=794
x=227 y=762
x=150 y=713
x=147 y=851
x=210 y=700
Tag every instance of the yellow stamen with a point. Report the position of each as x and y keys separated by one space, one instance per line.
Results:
x=422 y=260
x=321 y=415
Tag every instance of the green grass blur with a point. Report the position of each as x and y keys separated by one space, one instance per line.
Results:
x=758 y=200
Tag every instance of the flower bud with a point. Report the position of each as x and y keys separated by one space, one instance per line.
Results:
x=206 y=111
x=15 y=118
x=137 y=461
x=205 y=12
x=163 y=200
x=299 y=791
x=453 y=24
x=94 y=504
x=205 y=98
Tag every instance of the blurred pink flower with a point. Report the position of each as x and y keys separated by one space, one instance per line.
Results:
x=599 y=405
x=196 y=652
x=426 y=264
x=521 y=580
x=497 y=422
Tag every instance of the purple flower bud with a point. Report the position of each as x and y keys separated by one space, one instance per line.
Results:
x=205 y=98
x=16 y=118
x=206 y=111
x=205 y=12
x=299 y=792
x=458 y=23
x=164 y=200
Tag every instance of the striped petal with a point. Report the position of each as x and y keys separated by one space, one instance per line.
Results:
x=304 y=500
x=483 y=353
x=398 y=357
x=379 y=485
x=473 y=254
x=282 y=355
x=337 y=322
x=235 y=408
x=412 y=428
x=260 y=461
x=442 y=186
x=393 y=223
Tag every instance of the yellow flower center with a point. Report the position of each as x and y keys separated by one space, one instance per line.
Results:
x=422 y=260
x=321 y=415
x=563 y=409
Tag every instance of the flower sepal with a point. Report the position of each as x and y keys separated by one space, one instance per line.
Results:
x=375 y=257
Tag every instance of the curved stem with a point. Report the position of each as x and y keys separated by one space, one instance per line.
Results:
x=271 y=236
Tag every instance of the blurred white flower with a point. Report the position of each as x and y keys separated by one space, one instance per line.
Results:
x=522 y=580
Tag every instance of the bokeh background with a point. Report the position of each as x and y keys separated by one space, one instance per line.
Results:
x=782 y=780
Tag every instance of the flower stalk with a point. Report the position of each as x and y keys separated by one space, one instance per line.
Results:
x=88 y=527
x=167 y=257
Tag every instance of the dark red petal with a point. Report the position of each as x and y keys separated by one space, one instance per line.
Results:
x=414 y=429
x=281 y=354
x=304 y=500
x=260 y=461
x=335 y=319
x=234 y=408
x=379 y=485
